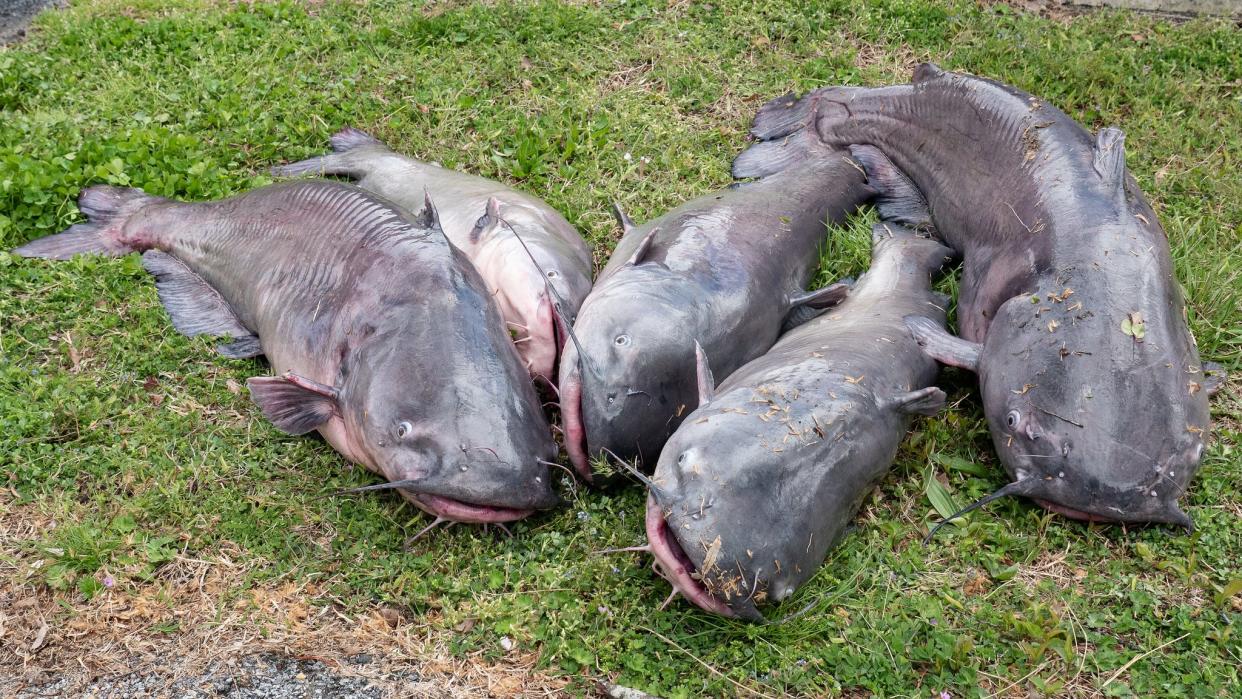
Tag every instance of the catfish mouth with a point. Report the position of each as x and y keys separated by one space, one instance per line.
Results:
x=1072 y=513
x=571 y=419
x=456 y=510
x=675 y=566
x=1159 y=512
x=1165 y=513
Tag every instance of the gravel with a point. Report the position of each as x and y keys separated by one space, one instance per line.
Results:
x=265 y=676
x=16 y=14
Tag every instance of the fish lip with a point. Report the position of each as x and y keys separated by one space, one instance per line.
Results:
x=1071 y=513
x=676 y=564
x=571 y=421
x=1169 y=514
x=460 y=511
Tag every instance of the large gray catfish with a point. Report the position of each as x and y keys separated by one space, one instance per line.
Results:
x=723 y=270
x=762 y=479
x=1069 y=310
x=381 y=335
x=499 y=228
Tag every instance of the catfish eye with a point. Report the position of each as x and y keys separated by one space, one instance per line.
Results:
x=403 y=429
x=622 y=340
x=1012 y=418
x=552 y=274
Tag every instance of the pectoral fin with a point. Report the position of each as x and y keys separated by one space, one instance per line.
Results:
x=938 y=344
x=703 y=372
x=926 y=401
x=1214 y=377
x=295 y=404
x=644 y=247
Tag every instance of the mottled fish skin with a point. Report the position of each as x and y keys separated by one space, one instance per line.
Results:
x=499 y=228
x=762 y=480
x=352 y=294
x=723 y=270
x=1091 y=381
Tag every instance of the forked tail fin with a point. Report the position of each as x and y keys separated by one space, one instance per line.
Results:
x=106 y=208
x=785 y=132
x=341 y=161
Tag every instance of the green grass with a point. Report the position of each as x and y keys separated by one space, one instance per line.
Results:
x=141 y=446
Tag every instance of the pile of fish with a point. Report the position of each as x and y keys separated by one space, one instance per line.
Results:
x=415 y=315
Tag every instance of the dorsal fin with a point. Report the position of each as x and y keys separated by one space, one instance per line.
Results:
x=703 y=375
x=823 y=297
x=643 y=248
x=623 y=219
x=428 y=218
x=925 y=72
x=925 y=401
x=1110 y=156
x=489 y=221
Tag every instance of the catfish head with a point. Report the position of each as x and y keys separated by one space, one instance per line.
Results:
x=472 y=448
x=743 y=506
x=527 y=283
x=1098 y=412
x=438 y=404
x=629 y=378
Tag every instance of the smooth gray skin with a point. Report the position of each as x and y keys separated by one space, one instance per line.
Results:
x=484 y=219
x=765 y=477
x=347 y=291
x=1060 y=249
x=722 y=270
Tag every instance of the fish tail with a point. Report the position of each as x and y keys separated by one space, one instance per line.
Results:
x=342 y=161
x=106 y=208
x=785 y=133
x=350 y=138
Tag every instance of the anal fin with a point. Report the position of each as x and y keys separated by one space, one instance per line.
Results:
x=899 y=200
x=241 y=348
x=196 y=308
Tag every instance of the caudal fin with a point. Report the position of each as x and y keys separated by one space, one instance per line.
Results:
x=785 y=131
x=106 y=209
x=339 y=162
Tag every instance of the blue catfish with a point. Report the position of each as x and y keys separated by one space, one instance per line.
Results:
x=723 y=270
x=762 y=479
x=531 y=258
x=1069 y=311
x=381 y=335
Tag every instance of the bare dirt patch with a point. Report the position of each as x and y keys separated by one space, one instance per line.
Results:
x=198 y=625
